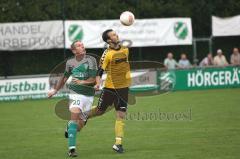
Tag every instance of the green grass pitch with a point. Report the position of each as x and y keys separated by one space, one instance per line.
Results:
x=31 y=130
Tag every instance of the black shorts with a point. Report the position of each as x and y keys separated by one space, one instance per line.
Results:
x=118 y=97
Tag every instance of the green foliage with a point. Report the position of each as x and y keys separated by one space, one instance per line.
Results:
x=23 y=10
x=200 y=11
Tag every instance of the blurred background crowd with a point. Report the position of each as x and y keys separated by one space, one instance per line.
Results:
x=211 y=60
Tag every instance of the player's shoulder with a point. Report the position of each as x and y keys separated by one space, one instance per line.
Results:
x=89 y=57
x=70 y=60
x=124 y=48
x=105 y=52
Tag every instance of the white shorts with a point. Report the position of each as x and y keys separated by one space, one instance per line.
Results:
x=84 y=103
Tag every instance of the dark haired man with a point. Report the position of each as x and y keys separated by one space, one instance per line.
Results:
x=114 y=62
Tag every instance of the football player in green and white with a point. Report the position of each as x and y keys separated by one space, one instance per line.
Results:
x=82 y=70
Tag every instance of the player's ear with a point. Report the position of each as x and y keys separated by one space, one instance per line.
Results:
x=109 y=41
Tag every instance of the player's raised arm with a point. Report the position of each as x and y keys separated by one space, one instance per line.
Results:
x=61 y=82
x=88 y=81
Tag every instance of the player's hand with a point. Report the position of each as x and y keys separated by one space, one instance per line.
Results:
x=97 y=87
x=51 y=93
x=76 y=81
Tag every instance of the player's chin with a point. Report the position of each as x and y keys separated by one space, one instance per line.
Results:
x=80 y=54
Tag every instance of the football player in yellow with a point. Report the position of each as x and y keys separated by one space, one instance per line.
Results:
x=114 y=62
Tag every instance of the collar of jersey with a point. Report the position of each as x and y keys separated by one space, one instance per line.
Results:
x=115 y=49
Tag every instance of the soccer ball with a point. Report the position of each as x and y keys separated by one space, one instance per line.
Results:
x=127 y=18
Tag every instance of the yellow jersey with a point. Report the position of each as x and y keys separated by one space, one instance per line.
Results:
x=116 y=65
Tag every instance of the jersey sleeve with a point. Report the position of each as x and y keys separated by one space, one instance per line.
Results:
x=68 y=70
x=104 y=60
x=92 y=67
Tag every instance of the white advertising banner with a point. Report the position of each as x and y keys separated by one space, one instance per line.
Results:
x=226 y=26
x=37 y=87
x=28 y=88
x=24 y=86
x=31 y=35
x=144 y=32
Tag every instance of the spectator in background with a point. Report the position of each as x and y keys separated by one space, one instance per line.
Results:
x=169 y=62
x=184 y=62
x=235 y=57
x=207 y=61
x=220 y=59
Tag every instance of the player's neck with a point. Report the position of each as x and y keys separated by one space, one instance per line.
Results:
x=79 y=58
x=114 y=46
